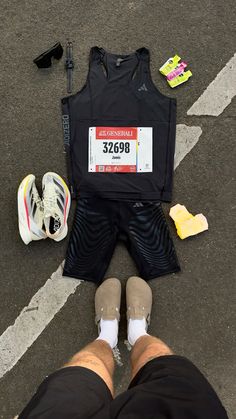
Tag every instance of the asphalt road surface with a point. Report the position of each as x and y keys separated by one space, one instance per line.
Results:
x=194 y=310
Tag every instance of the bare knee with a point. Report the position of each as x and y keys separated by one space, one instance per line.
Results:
x=94 y=363
x=146 y=349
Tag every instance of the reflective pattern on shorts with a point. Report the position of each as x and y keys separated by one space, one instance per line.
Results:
x=99 y=223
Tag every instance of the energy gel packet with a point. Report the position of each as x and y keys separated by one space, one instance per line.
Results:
x=186 y=223
x=169 y=65
x=182 y=78
x=177 y=71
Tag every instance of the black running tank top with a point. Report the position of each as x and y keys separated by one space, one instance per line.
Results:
x=119 y=131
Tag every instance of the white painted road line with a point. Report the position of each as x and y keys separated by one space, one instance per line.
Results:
x=33 y=319
x=186 y=138
x=45 y=304
x=219 y=93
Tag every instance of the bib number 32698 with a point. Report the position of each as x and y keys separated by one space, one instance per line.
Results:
x=117 y=147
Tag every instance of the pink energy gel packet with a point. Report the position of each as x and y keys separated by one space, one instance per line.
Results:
x=178 y=70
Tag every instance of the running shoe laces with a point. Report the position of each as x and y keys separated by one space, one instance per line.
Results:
x=56 y=201
x=50 y=196
x=36 y=198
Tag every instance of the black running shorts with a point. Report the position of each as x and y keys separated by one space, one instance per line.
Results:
x=168 y=387
x=99 y=223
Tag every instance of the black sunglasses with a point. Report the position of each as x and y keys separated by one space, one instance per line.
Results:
x=44 y=60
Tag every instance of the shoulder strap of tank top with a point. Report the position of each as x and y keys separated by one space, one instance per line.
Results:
x=144 y=54
x=142 y=70
x=95 y=74
x=144 y=58
x=96 y=54
x=95 y=64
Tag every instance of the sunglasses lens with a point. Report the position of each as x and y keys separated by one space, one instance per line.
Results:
x=43 y=61
x=58 y=51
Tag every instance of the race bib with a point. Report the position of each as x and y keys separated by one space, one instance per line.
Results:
x=120 y=149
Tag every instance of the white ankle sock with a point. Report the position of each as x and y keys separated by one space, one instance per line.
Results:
x=109 y=332
x=136 y=329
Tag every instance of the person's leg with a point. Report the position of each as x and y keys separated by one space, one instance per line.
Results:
x=139 y=307
x=83 y=388
x=98 y=357
x=145 y=349
x=163 y=384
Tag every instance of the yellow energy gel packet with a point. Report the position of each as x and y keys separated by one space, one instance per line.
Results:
x=169 y=65
x=186 y=223
x=182 y=78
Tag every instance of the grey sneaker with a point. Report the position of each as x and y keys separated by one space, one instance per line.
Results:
x=107 y=300
x=138 y=299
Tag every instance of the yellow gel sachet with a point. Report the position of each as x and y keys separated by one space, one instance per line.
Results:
x=169 y=65
x=186 y=223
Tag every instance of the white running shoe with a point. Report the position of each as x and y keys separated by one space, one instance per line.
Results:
x=30 y=211
x=56 y=201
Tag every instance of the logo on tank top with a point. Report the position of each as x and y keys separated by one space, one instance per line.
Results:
x=143 y=87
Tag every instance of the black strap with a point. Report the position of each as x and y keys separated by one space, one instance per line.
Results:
x=96 y=54
x=144 y=54
x=69 y=64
